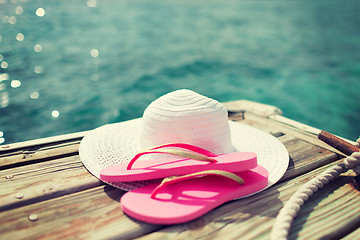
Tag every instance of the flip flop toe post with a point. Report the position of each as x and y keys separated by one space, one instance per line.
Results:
x=189 y=197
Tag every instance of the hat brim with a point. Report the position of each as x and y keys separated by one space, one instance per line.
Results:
x=119 y=142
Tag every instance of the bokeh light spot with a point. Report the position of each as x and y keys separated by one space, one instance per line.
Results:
x=40 y=12
x=15 y=83
x=4 y=65
x=19 y=10
x=38 y=69
x=55 y=114
x=38 y=48
x=12 y=20
x=20 y=37
x=94 y=52
x=34 y=95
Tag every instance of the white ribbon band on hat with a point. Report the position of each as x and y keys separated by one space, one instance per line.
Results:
x=180 y=116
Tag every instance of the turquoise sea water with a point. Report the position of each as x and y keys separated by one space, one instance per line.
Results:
x=68 y=66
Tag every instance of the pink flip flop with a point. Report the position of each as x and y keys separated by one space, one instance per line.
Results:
x=189 y=197
x=197 y=160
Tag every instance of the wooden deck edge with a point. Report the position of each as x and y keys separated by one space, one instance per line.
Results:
x=295 y=124
x=42 y=141
x=272 y=112
x=267 y=111
x=261 y=109
x=301 y=126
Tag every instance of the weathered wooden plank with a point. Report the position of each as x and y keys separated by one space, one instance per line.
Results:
x=43 y=141
x=37 y=182
x=270 y=112
x=90 y=214
x=37 y=153
x=304 y=157
x=300 y=126
x=253 y=217
x=272 y=126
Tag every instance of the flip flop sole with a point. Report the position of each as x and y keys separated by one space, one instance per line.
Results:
x=187 y=200
x=160 y=168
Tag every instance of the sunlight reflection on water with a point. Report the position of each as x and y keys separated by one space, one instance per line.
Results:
x=40 y=12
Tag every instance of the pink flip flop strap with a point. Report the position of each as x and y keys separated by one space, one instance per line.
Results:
x=199 y=153
x=170 y=180
x=188 y=147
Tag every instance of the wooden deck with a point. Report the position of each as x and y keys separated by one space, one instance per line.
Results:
x=46 y=193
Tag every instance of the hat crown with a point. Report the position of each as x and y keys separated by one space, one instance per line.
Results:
x=188 y=117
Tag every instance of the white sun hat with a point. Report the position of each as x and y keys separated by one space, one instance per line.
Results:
x=180 y=116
